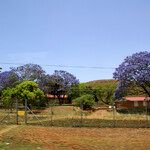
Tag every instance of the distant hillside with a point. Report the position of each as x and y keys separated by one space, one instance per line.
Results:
x=96 y=83
x=132 y=91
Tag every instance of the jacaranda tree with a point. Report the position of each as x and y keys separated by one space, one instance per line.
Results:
x=32 y=72
x=134 y=70
x=8 y=79
x=61 y=83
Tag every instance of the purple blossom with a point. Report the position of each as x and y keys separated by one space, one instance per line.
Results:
x=134 y=69
x=8 y=79
x=31 y=72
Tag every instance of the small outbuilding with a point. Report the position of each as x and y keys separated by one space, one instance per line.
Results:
x=133 y=102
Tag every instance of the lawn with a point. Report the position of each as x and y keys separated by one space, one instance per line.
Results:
x=58 y=138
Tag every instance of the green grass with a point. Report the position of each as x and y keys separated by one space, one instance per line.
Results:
x=100 y=123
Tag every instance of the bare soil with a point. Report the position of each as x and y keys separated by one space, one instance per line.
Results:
x=52 y=138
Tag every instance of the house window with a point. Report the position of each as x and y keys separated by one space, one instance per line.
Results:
x=144 y=103
x=136 y=104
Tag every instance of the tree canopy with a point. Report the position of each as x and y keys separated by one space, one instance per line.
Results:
x=102 y=91
x=134 y=70
x=61 y=83
x=8 y=79
x=31 y=72
x=26 y=90
x=85 y=101
x=20 y=81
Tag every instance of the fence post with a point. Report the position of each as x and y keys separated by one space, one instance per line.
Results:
x=146 y=111
x=26 y=111
x=114 y=119
x=51 y=115
x=17 y=111
x=81 y=115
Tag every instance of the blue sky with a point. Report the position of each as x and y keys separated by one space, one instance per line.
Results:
x=99 y=33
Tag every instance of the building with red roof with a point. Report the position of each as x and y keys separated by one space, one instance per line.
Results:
x=133 y=102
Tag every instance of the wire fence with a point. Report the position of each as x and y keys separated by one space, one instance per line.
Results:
x=72 y=116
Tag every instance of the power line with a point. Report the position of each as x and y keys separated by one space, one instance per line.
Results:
x=61 y=66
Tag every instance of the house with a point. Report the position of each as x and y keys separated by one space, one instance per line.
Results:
x=50 y=96
x=63 y=99
x=133 y=102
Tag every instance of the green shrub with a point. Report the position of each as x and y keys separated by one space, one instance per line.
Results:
x=8 y=97
x=85 y=101
x=26 y=90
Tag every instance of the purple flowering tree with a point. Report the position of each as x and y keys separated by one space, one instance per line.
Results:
x=8 y=79
x=135 y=70
x=32 y=72
x=61 y=83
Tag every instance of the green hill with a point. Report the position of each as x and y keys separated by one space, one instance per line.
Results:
x=96 y=83
x=133 y=90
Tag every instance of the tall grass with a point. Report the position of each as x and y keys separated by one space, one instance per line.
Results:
x=70 y=116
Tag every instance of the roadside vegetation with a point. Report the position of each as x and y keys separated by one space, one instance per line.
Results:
x=31 y=83
x=74 y=105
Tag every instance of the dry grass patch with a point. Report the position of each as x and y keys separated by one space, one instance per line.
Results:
x=52 y=138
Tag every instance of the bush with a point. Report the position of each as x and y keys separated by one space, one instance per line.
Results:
x=8 y=97
x=134 y=111
x=26 y=90
x=85 y=101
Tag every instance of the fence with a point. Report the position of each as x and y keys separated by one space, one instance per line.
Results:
x=72 y=116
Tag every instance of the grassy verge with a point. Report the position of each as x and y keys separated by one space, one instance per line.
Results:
x=69 y=116
x=100 y=123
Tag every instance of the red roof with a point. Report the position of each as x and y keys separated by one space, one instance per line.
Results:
x=52 y=96
x=137 y=98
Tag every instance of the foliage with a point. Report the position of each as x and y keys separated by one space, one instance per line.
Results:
x=85 y=101
x=65 y=79
x=134 y=70
x=75 y=92
x=29 y=90
x=26 y=90
x=97 y=83
x=8 y=97
x=61 y=83
x=8 y=79
x=102 y=91
x=31 y=72
x=106 y=94
x=44 y=83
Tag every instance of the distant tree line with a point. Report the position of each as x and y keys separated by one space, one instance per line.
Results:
x=31 y=82
x=132 y=78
